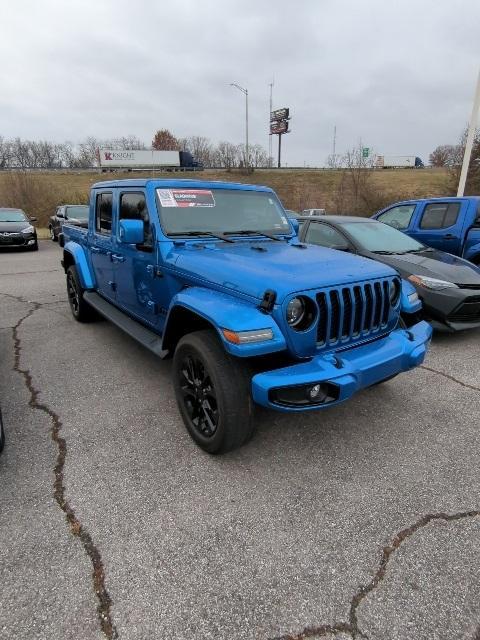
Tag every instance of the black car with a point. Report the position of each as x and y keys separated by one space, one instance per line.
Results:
x=449 y=287
x=76 y=214
x=16 y=229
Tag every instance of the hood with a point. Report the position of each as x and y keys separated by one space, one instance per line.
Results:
x=15 y=227
x=77 y=222
x=435 y=264
x=277 y=265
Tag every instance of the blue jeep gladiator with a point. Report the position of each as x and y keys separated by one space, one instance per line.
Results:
x=213 y=274
x=448 y=224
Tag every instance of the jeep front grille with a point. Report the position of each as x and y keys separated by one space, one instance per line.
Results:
x=357 y=311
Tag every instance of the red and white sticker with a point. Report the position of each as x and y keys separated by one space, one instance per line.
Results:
x=185 y=198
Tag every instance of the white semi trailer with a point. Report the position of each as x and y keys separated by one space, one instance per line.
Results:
x=398 y=162
x=110 y=159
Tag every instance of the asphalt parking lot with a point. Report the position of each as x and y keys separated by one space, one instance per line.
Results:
x=360 y=521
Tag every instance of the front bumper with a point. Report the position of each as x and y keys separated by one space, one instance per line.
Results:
x=17 y=240
x=345 y=372
x=452 y=309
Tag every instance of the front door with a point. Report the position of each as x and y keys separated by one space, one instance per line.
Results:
x=140 y=285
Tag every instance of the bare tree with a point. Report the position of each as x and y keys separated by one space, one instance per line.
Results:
x=200 y=147
x=445 y=155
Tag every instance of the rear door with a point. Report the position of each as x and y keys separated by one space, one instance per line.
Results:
x=101 y=244
x=439 y=225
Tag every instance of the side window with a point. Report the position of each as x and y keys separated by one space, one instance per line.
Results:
x=133 y=206
x=325 y=235
x=398 y=217
x=103 y=213
x=440 y=215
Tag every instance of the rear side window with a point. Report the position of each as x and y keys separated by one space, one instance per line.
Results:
x=133 y=206
x=103 y=213
x=440 y=215
x=398 y=217
x=324 y=235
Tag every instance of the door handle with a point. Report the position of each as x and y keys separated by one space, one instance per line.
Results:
x=116 y=257
x=95 y=250
x=449 y=236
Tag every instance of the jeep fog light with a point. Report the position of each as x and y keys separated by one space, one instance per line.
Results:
x=247 y=337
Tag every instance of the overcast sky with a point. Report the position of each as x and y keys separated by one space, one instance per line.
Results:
x=400 y=76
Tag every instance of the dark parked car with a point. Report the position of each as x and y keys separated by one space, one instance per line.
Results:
x=16 y=229
x=76 y=214
x=449 y=287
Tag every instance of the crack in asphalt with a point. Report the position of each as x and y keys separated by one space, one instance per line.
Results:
x=351 y=627
x=452 y=378
x=76 y=527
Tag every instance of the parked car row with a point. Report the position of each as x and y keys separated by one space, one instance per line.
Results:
x=448 y=286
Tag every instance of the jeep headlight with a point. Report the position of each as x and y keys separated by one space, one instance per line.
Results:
x=28 y=230
x=394 y=292
x=295 y=311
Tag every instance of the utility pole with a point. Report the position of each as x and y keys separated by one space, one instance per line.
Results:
x=270 y=142
x=469 y=143
x=334 y=162
x=245 y=91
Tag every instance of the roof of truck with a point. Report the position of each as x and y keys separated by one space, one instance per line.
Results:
x=178 y=184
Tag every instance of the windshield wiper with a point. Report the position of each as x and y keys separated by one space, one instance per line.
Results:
x=386 y=253
x=196 y=234
x=252 y=232
x=423 y=249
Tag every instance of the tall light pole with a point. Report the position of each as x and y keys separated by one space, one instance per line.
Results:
x=245 y=91
x=469 y=142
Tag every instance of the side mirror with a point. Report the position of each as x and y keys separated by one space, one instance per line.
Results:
x=131 y=231
x=32 y=219
x=60 y=215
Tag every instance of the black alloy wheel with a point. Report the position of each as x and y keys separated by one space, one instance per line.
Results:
x=213 y=392
x=80 y=308
x=73 y=293
x=199 y=396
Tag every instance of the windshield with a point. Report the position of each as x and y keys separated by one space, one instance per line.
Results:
x=220 y=210
x=376 y=236
x=79 y=212
x=12 y=215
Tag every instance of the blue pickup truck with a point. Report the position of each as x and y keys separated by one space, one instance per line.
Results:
x=448 y=224
x=213 y=274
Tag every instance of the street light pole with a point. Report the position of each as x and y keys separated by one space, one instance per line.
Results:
x=245 y=91
x=469 y=141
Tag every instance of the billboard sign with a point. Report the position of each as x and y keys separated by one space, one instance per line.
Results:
x=280 y=126
x=280 y=114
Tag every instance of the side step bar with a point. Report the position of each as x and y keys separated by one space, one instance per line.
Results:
x=147 y=338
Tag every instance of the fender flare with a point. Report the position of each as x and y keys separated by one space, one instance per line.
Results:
x=473 y=251
x=80 y=261
x=223 y=311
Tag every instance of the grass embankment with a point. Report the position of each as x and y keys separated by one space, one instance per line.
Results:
x=39 y=193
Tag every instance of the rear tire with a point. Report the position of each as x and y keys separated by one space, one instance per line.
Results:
x=213 y=393
x=81 y=310
x=52 y=234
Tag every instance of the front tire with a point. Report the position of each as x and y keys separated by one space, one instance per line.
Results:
x=53 y=237
x=213 y=393
x=81 y=310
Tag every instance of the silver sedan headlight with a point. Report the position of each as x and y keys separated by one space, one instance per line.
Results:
x=432 y=283
x=28 y=230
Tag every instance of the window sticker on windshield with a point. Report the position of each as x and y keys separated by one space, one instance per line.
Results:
x=185 y=198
